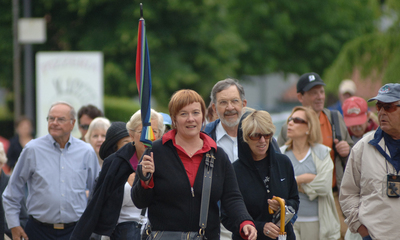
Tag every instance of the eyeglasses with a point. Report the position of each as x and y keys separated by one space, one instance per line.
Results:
x=225 y=103
x=84 y=127
x=60 y=120
x=389 y=107
x=257 y=136
x=297 y=120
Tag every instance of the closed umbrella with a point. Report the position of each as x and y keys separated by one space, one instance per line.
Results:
x=143 y=82
x=282 y=233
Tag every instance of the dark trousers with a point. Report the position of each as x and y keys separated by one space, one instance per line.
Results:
x=37 y=231
x=126 y=231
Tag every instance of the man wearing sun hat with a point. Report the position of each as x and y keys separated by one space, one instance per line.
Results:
x=370 y=188
x=357 y=117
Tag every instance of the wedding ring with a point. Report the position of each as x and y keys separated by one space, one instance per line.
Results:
x=144 y=166
x=267 y=233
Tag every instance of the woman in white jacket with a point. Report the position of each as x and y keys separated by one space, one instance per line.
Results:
x=313 y=167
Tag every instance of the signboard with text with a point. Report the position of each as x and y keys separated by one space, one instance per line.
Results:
x=73 y=77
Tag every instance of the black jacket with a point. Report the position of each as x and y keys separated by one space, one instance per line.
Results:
x=102 y=213
x=14 y=151
x=255 y=195
x=171 y=205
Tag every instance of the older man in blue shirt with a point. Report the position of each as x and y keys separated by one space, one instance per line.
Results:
x=57 y=168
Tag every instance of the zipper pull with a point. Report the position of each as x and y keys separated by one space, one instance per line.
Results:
x=191 y=189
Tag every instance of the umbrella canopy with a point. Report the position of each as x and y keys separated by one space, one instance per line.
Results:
x=143 y=82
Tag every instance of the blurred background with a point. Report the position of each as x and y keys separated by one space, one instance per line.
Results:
x=193 y=44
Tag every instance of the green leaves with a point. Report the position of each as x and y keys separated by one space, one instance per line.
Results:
x=193 y=44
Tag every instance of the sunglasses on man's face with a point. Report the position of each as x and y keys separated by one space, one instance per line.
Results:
x=389 y=107
x=297 y=120
x=257 y=136
x=84 y=127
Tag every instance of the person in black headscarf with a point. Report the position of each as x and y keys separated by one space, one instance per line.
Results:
x=262 y=173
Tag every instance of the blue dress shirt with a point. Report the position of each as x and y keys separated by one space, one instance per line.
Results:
x=57 y=180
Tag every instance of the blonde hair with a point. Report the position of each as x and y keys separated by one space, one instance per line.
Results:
x=97 y=123
x=314 y=129
x=257 y=120
x=136 y=121
x=3 y=156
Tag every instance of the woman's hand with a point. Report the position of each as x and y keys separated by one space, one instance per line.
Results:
x=271 y=230
x=250 y=231
x=148 y=165
x=274 y=204
x=363 y=231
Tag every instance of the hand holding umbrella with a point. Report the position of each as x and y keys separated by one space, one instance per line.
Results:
x=282 y=233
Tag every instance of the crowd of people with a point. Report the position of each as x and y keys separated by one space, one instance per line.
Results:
x=214 y=172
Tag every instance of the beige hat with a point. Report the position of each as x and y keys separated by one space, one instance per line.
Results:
x=347 y=86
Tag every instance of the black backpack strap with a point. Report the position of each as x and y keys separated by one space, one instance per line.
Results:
x=336 y=125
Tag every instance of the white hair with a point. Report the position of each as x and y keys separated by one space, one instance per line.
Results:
x=3 y=157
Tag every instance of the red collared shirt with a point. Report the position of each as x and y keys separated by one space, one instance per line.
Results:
x=191 y=164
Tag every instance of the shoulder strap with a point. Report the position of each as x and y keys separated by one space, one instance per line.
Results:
x=336 y=125
x=205 y=196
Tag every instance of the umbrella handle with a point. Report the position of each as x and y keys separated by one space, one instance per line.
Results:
x=283 y=213
x=139 y=166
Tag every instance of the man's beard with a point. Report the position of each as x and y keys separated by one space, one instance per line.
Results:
x=227 y=123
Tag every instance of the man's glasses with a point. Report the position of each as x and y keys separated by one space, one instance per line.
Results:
x=225 y=103
x=60 y=120
x=84 y=126
x=297 y=120
x=389 y=107
x=257 y=136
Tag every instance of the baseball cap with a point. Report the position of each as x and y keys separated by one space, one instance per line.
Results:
x=308 y=81
x=347 y=86
x=166 y=119
x=355 y=111
x=388 y=93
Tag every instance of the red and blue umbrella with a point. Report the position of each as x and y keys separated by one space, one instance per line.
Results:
x=143 y=82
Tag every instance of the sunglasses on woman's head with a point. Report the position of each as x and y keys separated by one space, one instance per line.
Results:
x=257 y=136
x=389 y=107
x=297 y=120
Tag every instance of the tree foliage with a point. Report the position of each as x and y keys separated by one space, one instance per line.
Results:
x=195 y=43
x=376 y=56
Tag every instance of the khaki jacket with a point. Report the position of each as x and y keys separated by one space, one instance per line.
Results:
x=363 y=197
x=321 y=188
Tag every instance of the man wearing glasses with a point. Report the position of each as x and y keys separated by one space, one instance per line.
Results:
x=57 y=169
x=229 y=102
x=370 y=190
x=86 y=114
